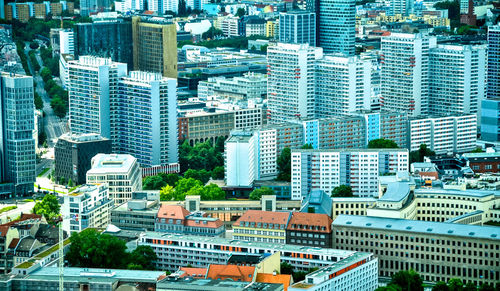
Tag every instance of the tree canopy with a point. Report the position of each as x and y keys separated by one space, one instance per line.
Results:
x=342 y=191
x=257 y=193
x=49 y=207
x=201 y=156
x=201 y=175
x=284 y=165
x=381 y=143
x=423 y=151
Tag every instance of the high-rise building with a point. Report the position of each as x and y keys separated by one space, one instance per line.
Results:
x=457 y=79
x=121 y=172
x=17 y=145
x=343 y=85
x=337 y=26
x=155 y=45
x=161 y=6
x=240 y=159
x=490 y=119
x=403 y=7
x=92 y=83
x=360 y=169
x=74 y=152
x=290 y=81
x=297 y=27
x=144 y=118
x=110 y=39
x=67 y=41
x=405 y=72
x=196 y=4
x=493 y=90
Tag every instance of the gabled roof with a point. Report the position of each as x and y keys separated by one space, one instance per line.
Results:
x=284 y=279
x=3 y=230
x=193 y=272
x=210 y=223
x=13 y=243
x=172 y=211
x=310 y=219
x=264 y=217
x=232 y=272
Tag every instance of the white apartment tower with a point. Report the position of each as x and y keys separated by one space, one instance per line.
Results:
x=343 y=85
x=403 y=7
x=67 y=41
x=360 y=169
x=92 y=84
x=240 y=159
x=120 y=172
x=290 y=81
x=405 y=72
x=144 y=118
x=457 y=79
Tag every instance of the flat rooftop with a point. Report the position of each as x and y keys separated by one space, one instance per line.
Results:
x=111 y=163
x=94 y=275
x=468 y=192
x=356 y=257
x=418 y=226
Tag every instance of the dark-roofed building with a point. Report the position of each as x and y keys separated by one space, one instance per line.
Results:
x=483 y=162
x=309 y=229
x=48 y=234
x=262 y=226
x=317 y=202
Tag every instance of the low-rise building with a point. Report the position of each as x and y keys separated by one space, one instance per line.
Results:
x=483 y=162
x=309 y=229
x=139 y=213
x=437 y=251
x=120 y=172
x=87 y=206
x=262 y=226
x=176 y=219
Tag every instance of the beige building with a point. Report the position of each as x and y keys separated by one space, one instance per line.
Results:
x=23 y=12
x=437 y=251
x=40 y=10
x=155 y=45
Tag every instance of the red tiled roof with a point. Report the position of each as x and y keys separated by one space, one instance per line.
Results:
x=277 y=279
x=197 y=273
x=148 y=12
x=299 y=219
x=24 y=216
x=13 y=243
x=264 y=217
x=210 y=224
x=172 y=211
x=233 y=272
x=434 y=175
x=3 y=230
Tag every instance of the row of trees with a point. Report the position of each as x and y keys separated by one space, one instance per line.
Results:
x=59 y=96
x=190 y=186
x=91 y=249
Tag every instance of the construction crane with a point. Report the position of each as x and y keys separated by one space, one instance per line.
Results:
x=61 y=257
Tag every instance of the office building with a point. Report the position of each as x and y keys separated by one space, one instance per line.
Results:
x=255 y=26
x=240 y=153
x=309 y=229
x=457 y=79
x=290 y=81
x=73 y=154
x=437 y=251
x=297 y=27
x=443 y=134
x=120 y=172
x=493 y=90
x=230 y=26
x=17 y=145
x=403 y=7
x=359 y=169
x=138 y=213
x=405 y=74
x=155 y=45
x=90 y=110
x=176 y=219
x=67 y=41
x=108 y=39
x=249 y=86
x=144 y=118
x=202 y=251
x=490 y=120
x=87 y=206
x=262 y=226
x=337 y=26
x=342 y=85
x=196 y=4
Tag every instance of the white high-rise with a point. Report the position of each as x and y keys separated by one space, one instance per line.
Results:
x=457 y=79
x=290 y=81
x=67 y=41
x=343 y=85
x=405 y=72
x=144 y=118
x=403 y=7
x=92 y=83
x=240 y=162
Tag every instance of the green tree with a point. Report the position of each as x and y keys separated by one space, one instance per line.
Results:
x=477 y=150
x=143 y=256
x=408 y=280
x=381 y=143
x=201 y=175
x=423 y=151
x=211 y=33
x=455 y=284
x=219 y=144
x=213 y=192
x=284 y=165
x=153 y=183
x=342 y=191
x=171 y=179
x=49 y=207
x=218 y=173
x=167 y=193
x=257 y=193
x=42 y=138
x=183 y=186
x=307 y=146
x=263 y=48
x=453 y=8
x=70 y=183
x=45 y=74
x=38 y=101
x=440 y=286
x=390 y=287
x=286 y=268
x=240 y=12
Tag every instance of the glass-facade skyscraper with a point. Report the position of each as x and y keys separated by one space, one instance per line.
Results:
x=337 y=26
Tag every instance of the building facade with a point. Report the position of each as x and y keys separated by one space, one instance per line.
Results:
x=241 y=164
x=176 y=219
x=120 y=172
x=262 y=226
x=490 y=119
x=155 y=45
x=359 y=169
x=73 y=154
x=139 y=213
x=493 y=90
x=297 y=27
x=17 y=145
x=309 y=229
x=67 y=41
x=337 y=26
